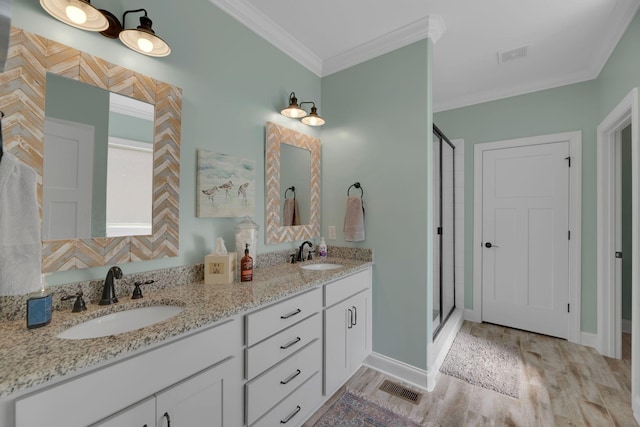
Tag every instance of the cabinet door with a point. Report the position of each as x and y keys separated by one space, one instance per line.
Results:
x=357 y=334
x=142 y=414
x=336 y=365
x=212 y=398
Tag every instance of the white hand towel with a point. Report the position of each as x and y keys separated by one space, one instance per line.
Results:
x=290 y=213
x=20 y=244
x=354 y=220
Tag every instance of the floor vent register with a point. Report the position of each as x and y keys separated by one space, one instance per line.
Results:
x=401 y=391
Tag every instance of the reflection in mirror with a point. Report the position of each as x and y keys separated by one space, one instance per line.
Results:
x=295 y=171
x=98 y=162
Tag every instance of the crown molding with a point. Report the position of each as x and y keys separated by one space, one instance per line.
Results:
x=613 y=36
x=431 y=26
x=514 y=90
x=260 y=24
x=131 y=107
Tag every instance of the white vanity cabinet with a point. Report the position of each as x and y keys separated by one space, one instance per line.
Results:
x=142 y=414
x=199 y=374
x=347 y=328
x=284 y=361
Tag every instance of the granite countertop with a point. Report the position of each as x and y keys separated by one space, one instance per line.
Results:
x=30 y=357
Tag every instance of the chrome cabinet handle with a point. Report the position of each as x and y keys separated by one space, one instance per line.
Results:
x=293 y=313
x=288 y=380
x=290 y=343
x=355 y=315
x=350 y=325
x=291 y=415
x=166 y=415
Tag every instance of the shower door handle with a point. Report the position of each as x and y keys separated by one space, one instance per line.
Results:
x=490 y=245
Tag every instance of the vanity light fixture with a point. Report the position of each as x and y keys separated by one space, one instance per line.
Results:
x=295 y=111
x=77 y=13
x=81 y=14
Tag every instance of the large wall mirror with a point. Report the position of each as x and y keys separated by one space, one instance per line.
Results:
x=105 y=129
x=292 y=169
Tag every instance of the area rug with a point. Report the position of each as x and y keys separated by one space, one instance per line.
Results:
x=478 y=361
x=351 y=410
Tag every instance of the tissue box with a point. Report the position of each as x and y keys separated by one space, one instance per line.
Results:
x=220 y=269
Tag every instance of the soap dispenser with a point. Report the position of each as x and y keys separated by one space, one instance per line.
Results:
x=322 y=248
x=246 y=266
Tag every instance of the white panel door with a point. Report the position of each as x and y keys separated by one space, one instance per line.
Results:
x=68 y=180
x=525 y=246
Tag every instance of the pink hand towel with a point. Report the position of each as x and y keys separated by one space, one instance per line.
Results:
x=354 y=220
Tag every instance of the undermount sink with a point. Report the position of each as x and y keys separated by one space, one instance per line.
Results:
x=321 y=266
x=121 y=321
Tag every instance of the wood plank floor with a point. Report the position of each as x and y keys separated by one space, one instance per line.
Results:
x=562 y=384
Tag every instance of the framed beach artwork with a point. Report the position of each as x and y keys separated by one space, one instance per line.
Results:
x=226 y=185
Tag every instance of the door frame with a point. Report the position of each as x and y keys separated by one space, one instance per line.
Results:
x=609 y=323
x=575 y=221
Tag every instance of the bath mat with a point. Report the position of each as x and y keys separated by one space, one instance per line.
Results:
x=351 y=410
x=478 y=361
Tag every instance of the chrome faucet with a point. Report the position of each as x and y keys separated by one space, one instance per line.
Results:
x=109 y=290
x=301 y=250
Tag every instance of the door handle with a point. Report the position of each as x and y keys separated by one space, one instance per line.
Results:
x=490 y=245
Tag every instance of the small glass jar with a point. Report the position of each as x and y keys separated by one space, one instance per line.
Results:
x=247 y=232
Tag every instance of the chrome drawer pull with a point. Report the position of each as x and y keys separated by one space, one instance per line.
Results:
x=293 y=313
x=355 y=315
x=289 y=344
x=350 y=325
x=291 y=415
x=288 y=380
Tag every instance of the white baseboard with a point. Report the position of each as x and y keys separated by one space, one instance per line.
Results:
x=590 y=340
x=472 y=315
x=400 y=370
x=626 y=326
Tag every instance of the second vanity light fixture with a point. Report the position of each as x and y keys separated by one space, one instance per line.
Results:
x=81 y=14
x=295 y=111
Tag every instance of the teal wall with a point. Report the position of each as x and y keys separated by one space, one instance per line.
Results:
x=378 y=129
x=627 y=254
x=232 y=80
x=574 y=107
x=568 y=108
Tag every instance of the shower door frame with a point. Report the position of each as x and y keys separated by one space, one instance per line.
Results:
x=439 y=232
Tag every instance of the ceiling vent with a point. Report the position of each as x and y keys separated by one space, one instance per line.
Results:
x=513 y=54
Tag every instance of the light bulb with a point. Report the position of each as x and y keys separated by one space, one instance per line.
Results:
x=76 y=15
x=145 y=44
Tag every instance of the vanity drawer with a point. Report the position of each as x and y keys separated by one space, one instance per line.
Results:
x=267 y=353
x=296 y=407
x=268 y=321
x=275 y=384
x=345 y=287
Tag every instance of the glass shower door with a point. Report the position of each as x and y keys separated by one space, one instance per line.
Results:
x=444 y=222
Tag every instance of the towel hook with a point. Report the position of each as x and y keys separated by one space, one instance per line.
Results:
x=356 y=185
x=293 y=189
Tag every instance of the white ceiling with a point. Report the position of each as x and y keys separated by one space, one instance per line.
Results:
x=568 y=41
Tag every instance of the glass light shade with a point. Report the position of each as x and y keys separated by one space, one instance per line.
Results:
x=144 y=42
x=313 y=119
x=77 y=13
x=293 y=112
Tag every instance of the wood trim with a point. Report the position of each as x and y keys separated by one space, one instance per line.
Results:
x=22 y=99
x=274 y=232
